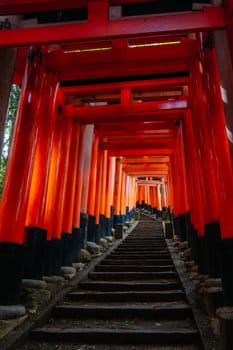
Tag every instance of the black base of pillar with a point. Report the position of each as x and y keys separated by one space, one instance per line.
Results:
x=91 y=228
x=97 y=233
x=176 y=225
x=108 y=227
x=202 y=256
x=35 y=241
x=102 y=223
x=12 y=257
x=214 y=242
x=83 y=226
x=194 y=243
x=116 y=220
x=57 y=256
x=48 y=268
x=78 y=243
x=182 y=223
x=227 y=271
x=127 y=218
x=188 y=229
x=67 y=243
x=131 y=214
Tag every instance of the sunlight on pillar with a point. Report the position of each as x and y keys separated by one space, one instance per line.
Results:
x=229 y=135
x=224 y=94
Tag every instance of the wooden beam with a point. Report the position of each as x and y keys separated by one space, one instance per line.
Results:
x=211 y=18
x=126 y=152
x=138 y=111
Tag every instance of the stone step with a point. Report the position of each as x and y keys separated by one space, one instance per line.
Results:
x=131 y=275
x=132 y=268
x=141 y=255
x=136 y=296
x=168 y=311
x=141 y=250
x=130 y=285
x=125 y=336
x=144 y=240
x=109 y=260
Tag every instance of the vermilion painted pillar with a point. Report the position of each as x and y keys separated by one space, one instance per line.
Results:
x=194 y=223
x=163 y=196
x=98 y=194
x=87 y=165
x=109 y=194
x=180 y=186
x=35 y=232
x=15 y=194
x=122 y=196
x=46 y=125
x=206 y=160
x=71 y=179
x=219 y=141
x=223 y=166
x=57 y=189
x=203 y=139
x=71 y=238
x=86 y=135
x=155 y=196
x=179 y=176
x=80 y=217
x=225 y=68
x=159 y=197
x=93 y=172
x=54 y=171
x=193 y=175
x=117 y=191
x=92 y=189
x=133 y=197
x=102 y=217
x=129 y=194
x=170 y=197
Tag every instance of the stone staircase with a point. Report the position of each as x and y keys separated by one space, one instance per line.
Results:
x=133 y=299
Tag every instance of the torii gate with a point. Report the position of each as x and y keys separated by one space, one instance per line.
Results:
x=97 y=95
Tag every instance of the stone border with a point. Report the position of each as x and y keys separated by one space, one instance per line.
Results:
x=209 y=340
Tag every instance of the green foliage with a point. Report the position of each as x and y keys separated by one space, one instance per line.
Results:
x=8 y=132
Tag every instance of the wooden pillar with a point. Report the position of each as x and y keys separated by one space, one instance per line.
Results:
x=21 y=159
x=83 y=173
x=122 y=196
x=91 y=231
x=57 y=175
x=117 y=191
x=221 y=152
x=98 y=185
x=13 y=206
x=71 y=179
x=219 y=142
x=38 y=190
x=111 y=168
x=179 y=176
x=102 y=216
x=193 y=175
x=225 y=68
x=110 y=185
x=159 y=198
x=93 y=172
